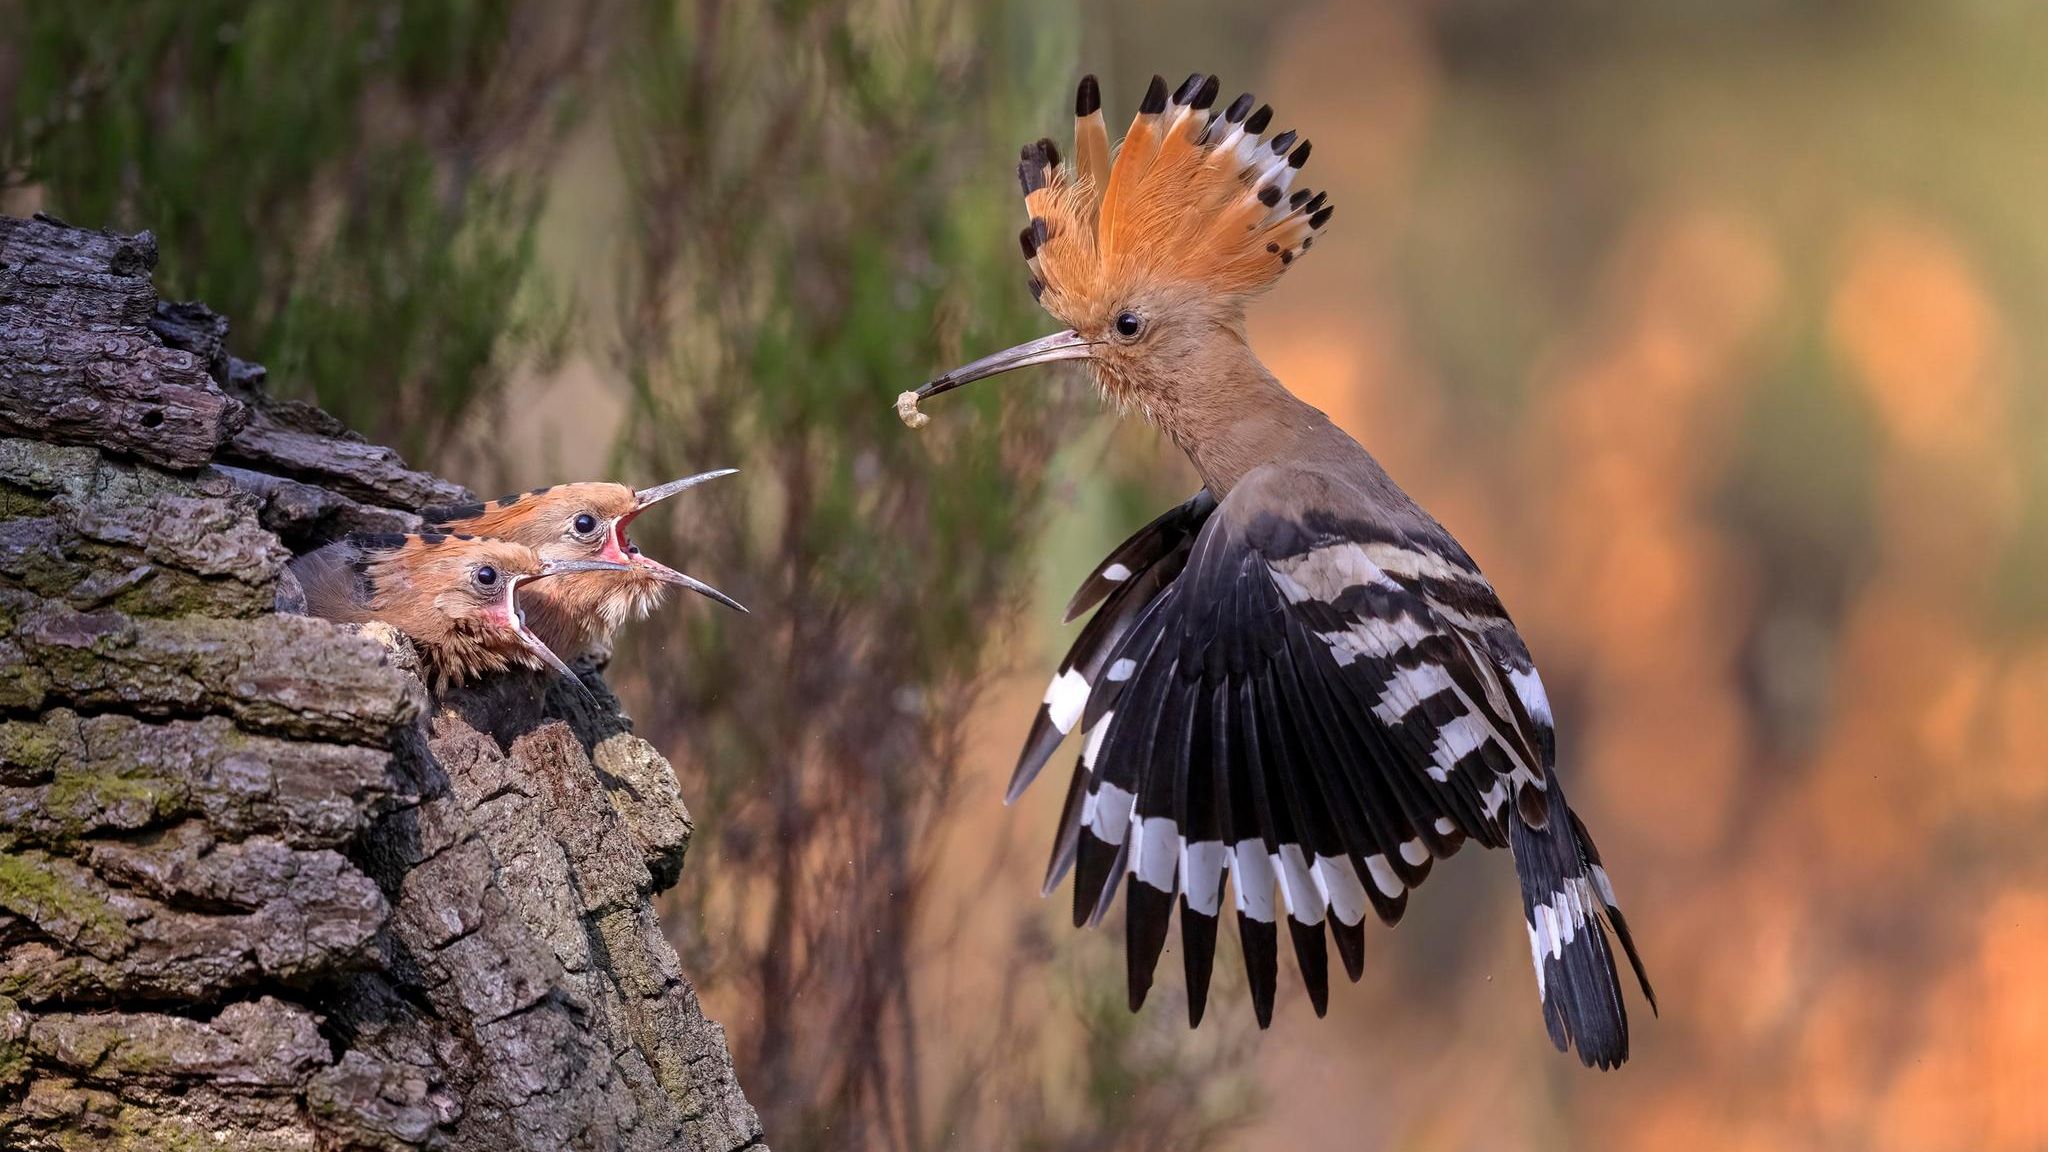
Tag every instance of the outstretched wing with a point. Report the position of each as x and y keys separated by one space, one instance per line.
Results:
x=1123 y=584
x=1314 y=706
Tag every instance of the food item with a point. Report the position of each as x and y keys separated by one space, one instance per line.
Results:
x=906 y=411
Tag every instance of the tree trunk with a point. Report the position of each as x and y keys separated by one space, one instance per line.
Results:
x=258 y=889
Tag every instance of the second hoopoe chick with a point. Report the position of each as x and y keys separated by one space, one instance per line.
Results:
x=457 y=597
x=587 y=521
x=1298 y=679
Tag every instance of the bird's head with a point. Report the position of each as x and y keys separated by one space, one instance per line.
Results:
x=1150 y=260
x=459 y=597
x=586 y=521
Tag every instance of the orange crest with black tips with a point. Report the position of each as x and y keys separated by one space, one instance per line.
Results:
x=1193 y=197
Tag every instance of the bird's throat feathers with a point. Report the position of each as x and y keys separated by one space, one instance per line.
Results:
x=1202 y=385
x=578 y=613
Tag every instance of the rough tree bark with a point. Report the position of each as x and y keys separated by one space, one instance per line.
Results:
x=257 y=889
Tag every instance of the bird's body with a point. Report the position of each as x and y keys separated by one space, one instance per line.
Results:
x=457 y=597
x=1297 y=679
x=577 y=615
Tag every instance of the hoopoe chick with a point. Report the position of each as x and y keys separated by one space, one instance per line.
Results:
x=458 y=597
x=579 y=614
x=1297 y=680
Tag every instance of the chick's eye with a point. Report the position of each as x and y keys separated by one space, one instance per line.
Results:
x=1129 y=324
x=487 y=576
x=586 y=524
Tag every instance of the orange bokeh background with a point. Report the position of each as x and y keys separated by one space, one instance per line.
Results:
x=1753 y=459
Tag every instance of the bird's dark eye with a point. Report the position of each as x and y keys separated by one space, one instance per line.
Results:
x=1129 y=324
x=487 y=576
x=586 y=524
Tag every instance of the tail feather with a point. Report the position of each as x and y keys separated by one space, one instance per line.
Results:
x=1569 y=905
x=1615 y=920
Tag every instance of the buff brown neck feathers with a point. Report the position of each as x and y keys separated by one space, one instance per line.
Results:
x=1297 y=683
x=532 y=580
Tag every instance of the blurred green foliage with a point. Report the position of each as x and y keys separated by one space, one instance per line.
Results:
x=823 y=214
x=316 y=171
x=814 y=238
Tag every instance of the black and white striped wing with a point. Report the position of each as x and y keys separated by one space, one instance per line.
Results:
x=1312 y=708
x=1123 y=584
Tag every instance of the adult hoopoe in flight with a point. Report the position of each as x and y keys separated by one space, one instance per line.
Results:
x=577 y=614
x=1297 y=678
x=458 y=597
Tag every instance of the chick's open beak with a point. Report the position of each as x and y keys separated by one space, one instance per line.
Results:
x=646 y=498
x=1068 y=345
x=665 y=573
x=516 y=617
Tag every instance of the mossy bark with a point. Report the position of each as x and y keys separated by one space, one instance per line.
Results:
x=258 y=889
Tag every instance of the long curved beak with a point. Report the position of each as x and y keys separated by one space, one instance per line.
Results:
x=648 y=497
x=517 y=615
x=1068 y=345
x=663 y=572
x=564 y=567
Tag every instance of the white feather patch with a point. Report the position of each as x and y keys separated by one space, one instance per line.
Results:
x=1383 y=877
x=1413 y=563
x=1157 y=858
x=1604 y=887
x=1455 y=741
x=1304 y=897
x=1251 y=875
x=1116 y=573
x=1203 y=862
x=1554 y=924
x=1324 y=573
x=1249 y=145
x=1096 y=736
x=1065 y=699
x=1494 y=798
x=1529 y=686
x=1340 y=881
x=1376 y=639
x=1407 y=688
x=1106 y=811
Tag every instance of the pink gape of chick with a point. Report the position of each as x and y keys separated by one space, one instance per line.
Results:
x=580 y=613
